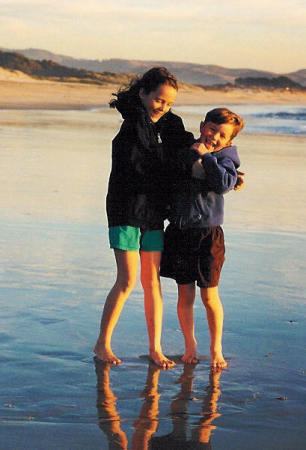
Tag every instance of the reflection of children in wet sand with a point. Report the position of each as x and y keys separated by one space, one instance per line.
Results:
x=201 y=431
x=147 y=423
x=194 y=243
x=109 y=419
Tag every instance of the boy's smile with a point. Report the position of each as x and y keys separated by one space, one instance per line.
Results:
x=216 y=136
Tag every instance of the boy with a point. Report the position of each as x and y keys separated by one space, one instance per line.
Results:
x=194 y=242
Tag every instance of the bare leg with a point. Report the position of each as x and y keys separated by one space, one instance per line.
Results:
x=186 y=297
x=150 y=262
x=126 y=277
x=214 y=312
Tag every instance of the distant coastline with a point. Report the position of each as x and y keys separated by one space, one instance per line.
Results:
x=32 y=84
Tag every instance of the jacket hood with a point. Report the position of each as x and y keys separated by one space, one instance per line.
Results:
x=129 y=107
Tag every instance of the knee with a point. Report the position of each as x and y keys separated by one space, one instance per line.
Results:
x=125 y=285
x=185 y=302
x=210 y=297
x=186 y=296
x=150 y=283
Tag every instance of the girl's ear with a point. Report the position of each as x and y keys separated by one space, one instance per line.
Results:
x=141 y=93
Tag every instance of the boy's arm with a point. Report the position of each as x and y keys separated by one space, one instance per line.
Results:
x=221 y=170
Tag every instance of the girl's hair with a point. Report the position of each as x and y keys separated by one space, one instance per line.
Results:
x=149 y=82
x=224 y=115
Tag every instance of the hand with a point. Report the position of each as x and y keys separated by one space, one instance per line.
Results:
x=200 y=148
x=240 y=181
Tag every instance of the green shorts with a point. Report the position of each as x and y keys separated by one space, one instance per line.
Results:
x=133 y=238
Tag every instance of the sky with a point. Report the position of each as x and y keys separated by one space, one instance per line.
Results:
x=257 y=34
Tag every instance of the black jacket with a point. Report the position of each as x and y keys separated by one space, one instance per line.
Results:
x=145 y=158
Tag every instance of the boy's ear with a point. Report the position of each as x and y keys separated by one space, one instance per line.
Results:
x=201 y=126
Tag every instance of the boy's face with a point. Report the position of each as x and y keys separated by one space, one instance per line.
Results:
x=214 y=136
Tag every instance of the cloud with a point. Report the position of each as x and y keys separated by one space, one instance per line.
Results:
x=197 y=30
x=12 y=25
x=155 y=15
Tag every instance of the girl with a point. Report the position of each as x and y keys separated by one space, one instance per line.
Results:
x=136 y=201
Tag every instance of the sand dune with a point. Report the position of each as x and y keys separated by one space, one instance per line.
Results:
x=14 y=75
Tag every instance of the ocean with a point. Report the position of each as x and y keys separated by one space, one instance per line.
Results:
x=56 y=270
x=261 y=119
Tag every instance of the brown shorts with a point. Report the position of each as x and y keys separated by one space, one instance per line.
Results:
x=193 y=255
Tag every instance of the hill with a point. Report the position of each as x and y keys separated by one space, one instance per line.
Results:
x=47 y=69
x=186 y=72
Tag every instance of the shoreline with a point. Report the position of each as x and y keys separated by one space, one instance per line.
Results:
x=44 y=94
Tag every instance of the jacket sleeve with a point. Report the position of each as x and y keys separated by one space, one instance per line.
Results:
x=220 y=173
x=176 y=147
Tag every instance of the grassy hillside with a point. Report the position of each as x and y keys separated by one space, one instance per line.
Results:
x=47 y=69
x=50 y=70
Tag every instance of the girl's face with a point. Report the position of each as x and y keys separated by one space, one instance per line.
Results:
x=215 y=136
x=158 y=102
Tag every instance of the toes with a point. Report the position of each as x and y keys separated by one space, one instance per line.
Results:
x=190 y=359
x=219 y=365
x=168 y=364
x=115 y=362
x=164 y=363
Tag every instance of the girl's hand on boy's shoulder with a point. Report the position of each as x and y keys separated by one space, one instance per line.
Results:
x=200 y=148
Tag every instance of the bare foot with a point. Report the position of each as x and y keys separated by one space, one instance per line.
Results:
x=217 y=360
x=190 y=356
x=106 y=355
x=161 y=360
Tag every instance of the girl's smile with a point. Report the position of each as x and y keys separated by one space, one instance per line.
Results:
x=158 y=102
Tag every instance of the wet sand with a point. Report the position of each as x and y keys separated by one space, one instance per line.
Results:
x=56 y=269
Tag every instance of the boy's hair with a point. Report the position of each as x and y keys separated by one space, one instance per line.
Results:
x=149 y=82
x=224 y=115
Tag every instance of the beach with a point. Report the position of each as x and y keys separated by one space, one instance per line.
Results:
x=57 y=268
x=19 y=91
